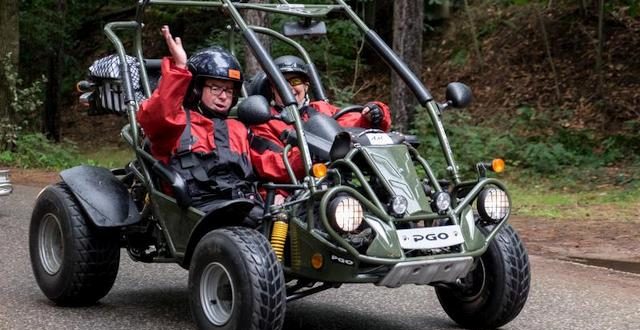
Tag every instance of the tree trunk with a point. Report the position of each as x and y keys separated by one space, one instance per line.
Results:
x=599 y=60
x=408 y=17
x=258 y=18
x=10 y=32
x=52 y=105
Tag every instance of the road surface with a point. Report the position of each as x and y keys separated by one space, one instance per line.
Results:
x=154 y=296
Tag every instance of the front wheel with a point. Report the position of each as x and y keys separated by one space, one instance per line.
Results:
x=236 y=282
x=74 y=262
x=495 y=291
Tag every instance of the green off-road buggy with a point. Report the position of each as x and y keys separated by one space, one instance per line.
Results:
x=370 y=209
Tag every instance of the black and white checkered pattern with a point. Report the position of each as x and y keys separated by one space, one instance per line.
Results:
x=108 y=68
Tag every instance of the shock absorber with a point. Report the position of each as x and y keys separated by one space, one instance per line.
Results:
x=279 y=234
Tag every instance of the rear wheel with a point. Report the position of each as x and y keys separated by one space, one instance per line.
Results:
x=74 y=262
x=236 y=282
x=495 y=291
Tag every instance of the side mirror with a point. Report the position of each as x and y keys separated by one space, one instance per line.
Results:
x=458 y=95
x=254 y=110
x=306 y=28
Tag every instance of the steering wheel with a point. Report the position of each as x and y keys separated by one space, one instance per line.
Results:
x=348 y=109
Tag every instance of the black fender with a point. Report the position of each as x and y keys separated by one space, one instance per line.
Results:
x=218 y=214
x=105 y=200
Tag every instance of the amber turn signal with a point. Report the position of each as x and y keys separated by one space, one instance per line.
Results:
x=319 y=170
x=317 y=261
x=497 y=165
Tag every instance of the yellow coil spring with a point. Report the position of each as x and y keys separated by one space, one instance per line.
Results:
x=278 y=237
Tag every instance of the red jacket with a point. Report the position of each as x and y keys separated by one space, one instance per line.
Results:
x=163 y=119
x=269 y=165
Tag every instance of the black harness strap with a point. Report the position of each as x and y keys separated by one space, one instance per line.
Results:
x=261 y=144
x=221 y=136
x=186 y=139
x=187 y=158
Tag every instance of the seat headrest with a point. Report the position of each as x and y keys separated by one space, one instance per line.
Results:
x=260 y=85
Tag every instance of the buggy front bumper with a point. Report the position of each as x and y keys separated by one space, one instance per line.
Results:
x=427 y=271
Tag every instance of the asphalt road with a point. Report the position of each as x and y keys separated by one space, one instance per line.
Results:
x=563 y=295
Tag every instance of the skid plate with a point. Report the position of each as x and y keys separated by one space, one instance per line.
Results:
x=427 y=271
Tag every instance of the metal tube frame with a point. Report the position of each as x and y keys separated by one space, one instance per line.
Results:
x=309 y=11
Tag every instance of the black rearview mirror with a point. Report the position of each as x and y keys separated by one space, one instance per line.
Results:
x=254 y=110
x=305 y=28
x=458 y=95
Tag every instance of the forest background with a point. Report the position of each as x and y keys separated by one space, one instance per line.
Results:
x=556 y=83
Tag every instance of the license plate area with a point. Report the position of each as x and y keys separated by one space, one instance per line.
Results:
x=430 y=237
x=379 y=139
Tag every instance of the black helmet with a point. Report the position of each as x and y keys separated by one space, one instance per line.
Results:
x=291 y=64
x=215 y=63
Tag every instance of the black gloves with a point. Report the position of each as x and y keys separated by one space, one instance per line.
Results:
x=375 y=114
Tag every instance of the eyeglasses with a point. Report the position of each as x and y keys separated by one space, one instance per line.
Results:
x=217 y=90
x=295 y=81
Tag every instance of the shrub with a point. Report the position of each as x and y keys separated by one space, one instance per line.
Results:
x=534 y=144
x=24 y=102
x=35 y=151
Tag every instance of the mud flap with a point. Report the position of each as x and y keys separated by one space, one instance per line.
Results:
x=105 y=200
x=223 y=211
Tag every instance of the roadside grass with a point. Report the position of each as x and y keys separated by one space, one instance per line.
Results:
x=109 y=157
x=587 y=202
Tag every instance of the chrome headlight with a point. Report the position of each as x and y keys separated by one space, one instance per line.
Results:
x=493 y=204
x=398 y=205
x=441 y=201
x=345 y=214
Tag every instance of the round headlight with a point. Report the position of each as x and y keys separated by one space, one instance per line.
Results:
x=441 y=201
x=345 y=214
x=398 y=205
x=493 y=204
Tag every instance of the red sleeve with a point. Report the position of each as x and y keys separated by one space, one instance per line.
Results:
x=161 y=116
x=269 y=165
x=355 y=119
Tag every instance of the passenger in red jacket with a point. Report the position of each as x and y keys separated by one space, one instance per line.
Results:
x=267 y=142
x=186 y=122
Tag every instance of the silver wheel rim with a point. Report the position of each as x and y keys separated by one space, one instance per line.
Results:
x=217 y=293
x=50 y=244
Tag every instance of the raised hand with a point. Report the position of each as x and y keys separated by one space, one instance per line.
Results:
x=175 y=48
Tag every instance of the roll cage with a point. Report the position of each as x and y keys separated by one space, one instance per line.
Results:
x=249 y=34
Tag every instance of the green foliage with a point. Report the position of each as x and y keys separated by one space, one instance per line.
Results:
x=470 y=143
x=534 y=144
x=459 y=58
x=334 y=54
x=634 y=7
x=22 y=113
x=35 y=151
x=72 y=27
